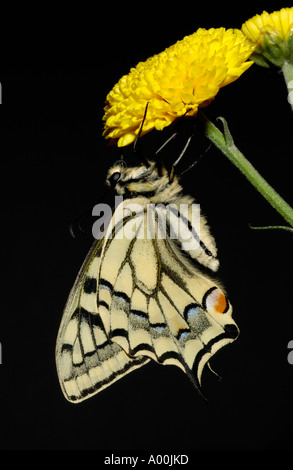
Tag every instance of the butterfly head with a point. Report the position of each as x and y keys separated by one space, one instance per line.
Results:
x=146 y=180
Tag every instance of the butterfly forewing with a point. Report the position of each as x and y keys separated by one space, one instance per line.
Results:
x=87 y=361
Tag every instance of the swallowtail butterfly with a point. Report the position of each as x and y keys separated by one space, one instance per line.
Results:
x=142 y=293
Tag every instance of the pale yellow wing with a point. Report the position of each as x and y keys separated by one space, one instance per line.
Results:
x=157 y=301
x=87 y=360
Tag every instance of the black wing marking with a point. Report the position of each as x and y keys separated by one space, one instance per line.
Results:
x=160 y=307
x=87 y=360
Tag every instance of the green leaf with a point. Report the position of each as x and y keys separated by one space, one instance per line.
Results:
x=259 y=60
x=289 y=48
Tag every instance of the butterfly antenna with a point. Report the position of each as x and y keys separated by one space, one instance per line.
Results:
x=174 y=133
x=182 y=153
x=196 y=161
x=166 y=142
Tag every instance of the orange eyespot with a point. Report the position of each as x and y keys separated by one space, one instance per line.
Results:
x=216 y=301
x=221 y=304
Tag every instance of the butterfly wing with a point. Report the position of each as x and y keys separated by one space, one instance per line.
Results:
x=155 y=302
x=87 y=360
x=137 y=297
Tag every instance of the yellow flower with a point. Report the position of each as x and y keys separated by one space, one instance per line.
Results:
x=179 y=80
x=273 y=36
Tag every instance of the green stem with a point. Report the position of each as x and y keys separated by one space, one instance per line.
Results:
x=273 y=227
x=224 y=142
x=287 y=70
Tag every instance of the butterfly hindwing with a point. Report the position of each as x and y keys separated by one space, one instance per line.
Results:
x=159 y=304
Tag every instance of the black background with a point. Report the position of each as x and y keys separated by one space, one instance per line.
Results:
x=55 y=74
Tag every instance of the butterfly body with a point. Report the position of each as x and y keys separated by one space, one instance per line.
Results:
x=144 y=291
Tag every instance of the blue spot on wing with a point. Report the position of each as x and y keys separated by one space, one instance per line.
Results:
x=103 y=284
x=159 y=328
x=121 y=296
x=196 y=317
x=139 y=314
x=191 y=311
x=184 y=334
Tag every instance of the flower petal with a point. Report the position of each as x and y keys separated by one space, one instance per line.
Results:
x=180 y=79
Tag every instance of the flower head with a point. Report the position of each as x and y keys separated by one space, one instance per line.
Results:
x=273 y=36
x=179 y=80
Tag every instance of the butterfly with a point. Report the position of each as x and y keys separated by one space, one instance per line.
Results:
x=146 y=290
